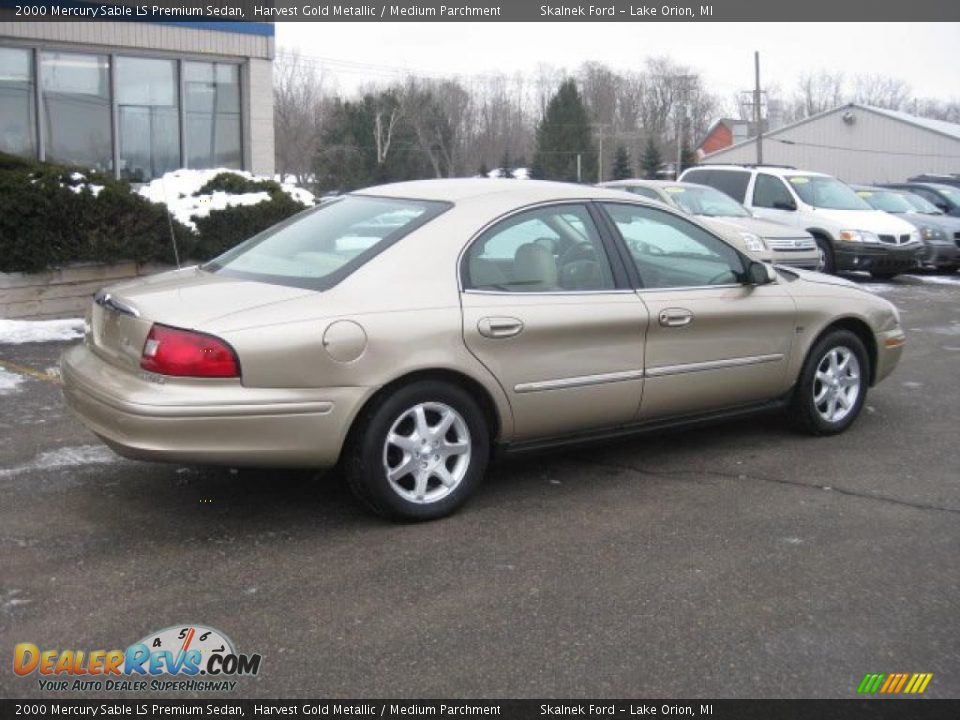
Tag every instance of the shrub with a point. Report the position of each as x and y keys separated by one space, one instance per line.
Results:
x=222 y=229
x=52 y=215
x=237 y=184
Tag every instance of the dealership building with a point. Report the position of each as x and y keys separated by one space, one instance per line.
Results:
x=138 y=98
x=856 y=143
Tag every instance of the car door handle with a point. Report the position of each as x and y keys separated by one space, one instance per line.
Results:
x=499 y=327
x=675 y=317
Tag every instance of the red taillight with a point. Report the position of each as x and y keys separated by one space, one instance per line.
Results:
x=170 y=351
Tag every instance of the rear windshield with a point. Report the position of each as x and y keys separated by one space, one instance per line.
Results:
x=888 y=201
x=826 y=192
x=705 y=201
x=318 y=248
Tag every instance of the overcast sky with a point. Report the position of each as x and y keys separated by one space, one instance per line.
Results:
x=922 y=54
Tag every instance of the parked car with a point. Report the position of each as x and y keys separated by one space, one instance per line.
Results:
x=943 y=179
x=944 y=197
x=494 y=314
x=763 y=239
x=941 y=251
x=850 y=235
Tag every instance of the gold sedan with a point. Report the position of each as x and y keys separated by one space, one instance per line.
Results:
x=407 y=331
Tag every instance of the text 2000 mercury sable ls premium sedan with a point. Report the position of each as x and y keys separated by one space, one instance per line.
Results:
x=407 y=331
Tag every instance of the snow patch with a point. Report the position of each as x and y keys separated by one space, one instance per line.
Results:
x=15 y=332
x=176 y=190
x=64 y=457
x=9 y=382
x=939 y=279
x=517 y=173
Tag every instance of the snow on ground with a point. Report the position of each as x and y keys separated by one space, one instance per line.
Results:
x=9 y=382
x=517 y=173
x=939 y=279
x=176 y=190
x=65 y=457
x=15 y=332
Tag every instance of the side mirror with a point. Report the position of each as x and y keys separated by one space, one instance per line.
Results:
x=784 y=205
x=759 y=273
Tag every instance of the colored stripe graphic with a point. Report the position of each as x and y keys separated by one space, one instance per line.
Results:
x=894 y=683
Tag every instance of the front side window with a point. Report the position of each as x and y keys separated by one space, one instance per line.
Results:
x=148 y=113
x=670 y=252
x=17 y=120
x=212 y=105
x=76 y=109
x=822 y=191
x=553 y=249
x=317 y=248
x=770 y=192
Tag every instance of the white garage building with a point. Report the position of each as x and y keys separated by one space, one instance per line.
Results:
x=857 y=143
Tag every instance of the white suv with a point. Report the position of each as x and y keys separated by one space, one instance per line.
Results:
x=850 y=234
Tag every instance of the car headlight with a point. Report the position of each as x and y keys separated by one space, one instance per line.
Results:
x=931 y=233
x=753 y=243
x=860 y=236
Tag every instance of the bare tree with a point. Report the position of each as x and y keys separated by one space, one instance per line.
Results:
x=881 y=91
x=817 y=93
x=299 y=105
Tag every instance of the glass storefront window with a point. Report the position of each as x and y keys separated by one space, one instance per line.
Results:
x=17 y=119
x=76 y=107
x=148 y=119
x=212 y=105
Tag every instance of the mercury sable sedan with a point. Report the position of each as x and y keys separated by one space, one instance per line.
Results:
x=406 y=332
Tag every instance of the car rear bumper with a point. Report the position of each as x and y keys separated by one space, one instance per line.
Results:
x=219 y=422
x=878 y=258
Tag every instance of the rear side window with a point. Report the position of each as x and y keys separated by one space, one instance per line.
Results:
x=770 y=192
x=551 y=249
x=318 y=248
x=732 y=182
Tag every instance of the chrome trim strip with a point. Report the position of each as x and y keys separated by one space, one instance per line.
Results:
x=522 y=294
x=712 y=365
x=579 y=381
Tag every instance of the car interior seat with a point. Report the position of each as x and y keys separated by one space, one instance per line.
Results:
x=535 y=268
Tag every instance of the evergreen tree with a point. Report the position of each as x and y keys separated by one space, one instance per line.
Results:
x=564 y=133
x=484 y=171
x=506 y=167
x=621 y=164
x=651 y=160
x=688 y=158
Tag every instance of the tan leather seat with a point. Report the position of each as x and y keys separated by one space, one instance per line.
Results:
x=534 y=268
x=485 y=273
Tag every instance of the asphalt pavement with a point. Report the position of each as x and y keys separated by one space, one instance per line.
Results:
x=740 y=560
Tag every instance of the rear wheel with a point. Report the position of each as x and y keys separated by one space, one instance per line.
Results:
x=418 y=452
x=833 y=384
x=826 y=262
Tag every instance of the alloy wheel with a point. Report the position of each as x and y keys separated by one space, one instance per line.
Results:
x=426 y=453
x=836 y=385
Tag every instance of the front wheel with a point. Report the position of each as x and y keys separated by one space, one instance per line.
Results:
x=833 y=384
x=418 y=452
x=825 y=262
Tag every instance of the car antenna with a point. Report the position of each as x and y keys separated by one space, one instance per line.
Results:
x=173 y=236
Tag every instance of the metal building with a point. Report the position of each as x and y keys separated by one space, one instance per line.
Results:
x=138 y=98
x=857 y=143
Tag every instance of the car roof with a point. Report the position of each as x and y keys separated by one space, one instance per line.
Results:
x=651 y=183
x=459 y=189
x=771 y=169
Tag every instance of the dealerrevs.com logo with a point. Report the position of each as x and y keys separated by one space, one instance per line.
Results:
x=187 y=657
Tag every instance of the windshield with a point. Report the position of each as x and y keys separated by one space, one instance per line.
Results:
x=921 y=204
x=950 y=192
x=320 y=247
x=705 y=201
x=826 y=192
x=886 y=201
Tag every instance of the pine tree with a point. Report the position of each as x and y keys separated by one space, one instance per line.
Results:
x=688 y=158
x=651 y=160
x=506 y=168
x=484 y=171
x=621 y=164
x=564 y=133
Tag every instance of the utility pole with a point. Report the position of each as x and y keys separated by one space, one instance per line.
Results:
x=579 y=175
x=600 y=154
x=757 y=114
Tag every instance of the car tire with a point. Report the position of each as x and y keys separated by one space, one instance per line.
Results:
x=821 y=406
x=876 y=275
x=827 y=263
x=402 y=465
